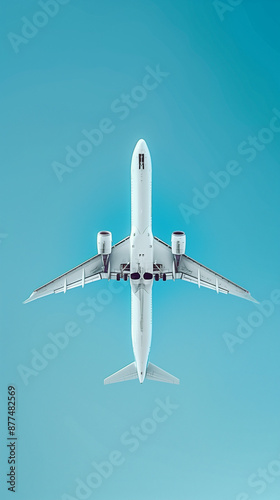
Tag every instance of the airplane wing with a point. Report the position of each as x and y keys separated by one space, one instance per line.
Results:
x=88 y=271
x=194 y=272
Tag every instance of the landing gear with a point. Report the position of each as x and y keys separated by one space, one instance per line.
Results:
x=125 y=277
x=118 y=277
x=156 y=277
x=164 y=277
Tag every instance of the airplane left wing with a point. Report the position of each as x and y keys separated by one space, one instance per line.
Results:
x=194 y=272
x=87 y=272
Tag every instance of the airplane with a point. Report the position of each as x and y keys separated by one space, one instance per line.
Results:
x=142 y=258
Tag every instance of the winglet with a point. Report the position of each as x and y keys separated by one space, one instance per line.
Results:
x=29 y=298
x=252 y=298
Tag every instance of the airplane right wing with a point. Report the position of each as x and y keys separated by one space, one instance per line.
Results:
x=88 y=271
x=194 y=272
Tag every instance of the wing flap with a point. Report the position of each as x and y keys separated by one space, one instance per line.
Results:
x=87 y=272
x=194 y=272
x=120 y=257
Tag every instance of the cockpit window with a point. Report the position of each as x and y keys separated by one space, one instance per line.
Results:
x=141 y=162
x=148 y=276
x=135 y=276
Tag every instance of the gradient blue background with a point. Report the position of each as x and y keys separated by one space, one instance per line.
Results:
x=222 y=85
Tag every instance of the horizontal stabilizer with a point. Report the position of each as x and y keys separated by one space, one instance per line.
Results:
x=155 y=373
x=129 y=372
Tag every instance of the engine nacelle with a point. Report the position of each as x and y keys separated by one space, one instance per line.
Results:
x=178 y=242
x=104 y=242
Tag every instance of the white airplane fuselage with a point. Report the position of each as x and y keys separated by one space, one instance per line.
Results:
x=141 y=256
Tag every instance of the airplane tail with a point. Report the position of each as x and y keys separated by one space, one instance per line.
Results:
x=153 y=372
x=129 y=372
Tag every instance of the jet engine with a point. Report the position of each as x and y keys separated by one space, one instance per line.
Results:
x=104 y=247
x=178 y=244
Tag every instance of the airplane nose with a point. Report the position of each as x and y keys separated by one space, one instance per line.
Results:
x=141 y=147
x=141 y=143
x=141 y=158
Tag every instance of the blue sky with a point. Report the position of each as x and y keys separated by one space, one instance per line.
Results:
x=211 y=122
